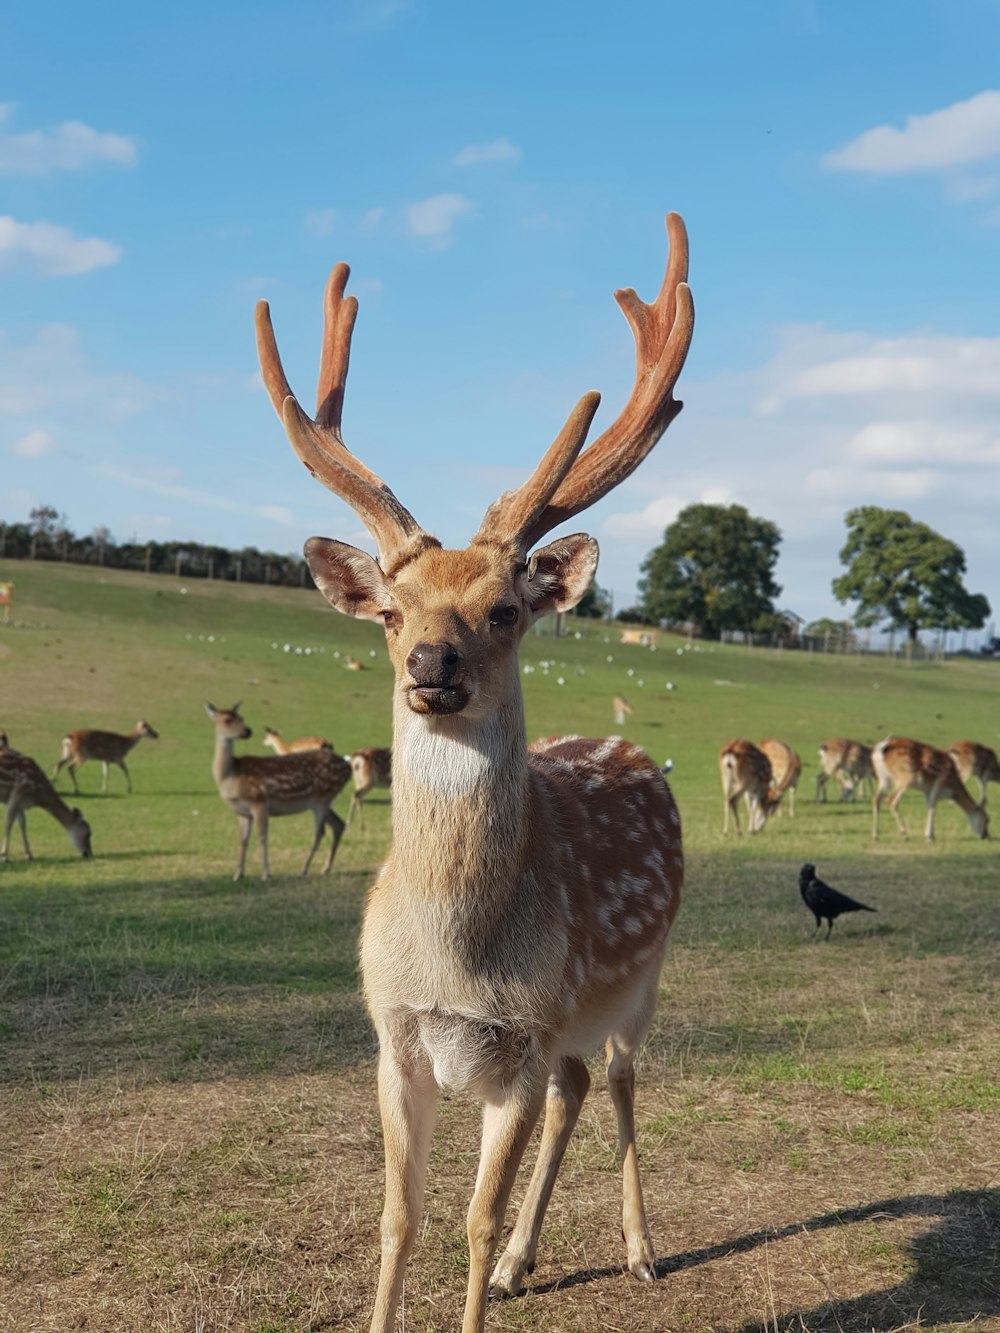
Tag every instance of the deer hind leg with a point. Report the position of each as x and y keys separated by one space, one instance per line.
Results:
x=337 y=827
x=881 y=790
x=730 y=804
x=319 y=817
x=621 y=1051
x=568 y=1084
x=894 y=801
x=406 y=1099
x=507 y=1127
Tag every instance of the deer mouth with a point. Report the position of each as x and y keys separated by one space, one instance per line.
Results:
x=437 y=699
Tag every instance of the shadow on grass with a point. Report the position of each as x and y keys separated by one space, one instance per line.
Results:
x=955 y=1276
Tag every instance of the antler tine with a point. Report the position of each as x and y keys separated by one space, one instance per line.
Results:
x=662 y=333
x=514 y=513
x=318 y=442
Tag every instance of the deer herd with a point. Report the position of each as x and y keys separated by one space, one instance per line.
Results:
x=522 y=913
x=763 y=774
x=305 y=774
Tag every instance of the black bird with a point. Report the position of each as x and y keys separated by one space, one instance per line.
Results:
x=826 y=903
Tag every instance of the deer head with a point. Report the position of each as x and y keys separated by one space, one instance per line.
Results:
x=454 y=618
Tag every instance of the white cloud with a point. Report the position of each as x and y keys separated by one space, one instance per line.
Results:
x=434 y=219
x=36 y=444
x=957 y=135
x=906 y=442
x=373 y=218
x=852 y=366
x=482 y=154
x=71 y=146
x=846 y=484
x=52 y=375
x=653 y=518
x=45 y=250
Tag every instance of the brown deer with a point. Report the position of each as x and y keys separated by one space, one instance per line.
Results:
x=746 y=772
x=901 y=764
x=370 y=768
x=107 y=746
x=621 y=708
x=257 y=787
x=272 y=739
x=849 y=761
x=975 y=761
x=24 y=785
x=786 y=769
x=522 y=913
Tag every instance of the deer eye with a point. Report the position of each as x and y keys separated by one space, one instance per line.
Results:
x=503 y=615
x=392 y=619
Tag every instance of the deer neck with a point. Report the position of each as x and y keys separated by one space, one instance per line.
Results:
x=460 y=801
x=47 y=798
x=224 y=761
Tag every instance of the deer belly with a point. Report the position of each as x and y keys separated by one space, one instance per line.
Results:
x=469 y=1055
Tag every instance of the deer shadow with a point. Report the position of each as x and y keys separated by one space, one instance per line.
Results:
x=954 y=1278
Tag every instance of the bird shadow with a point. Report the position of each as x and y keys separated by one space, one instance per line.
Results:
x=953 y=1275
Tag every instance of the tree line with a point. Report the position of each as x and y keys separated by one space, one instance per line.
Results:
x=713 y=571
x=48 y=536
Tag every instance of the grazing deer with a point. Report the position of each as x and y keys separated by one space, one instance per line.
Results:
x=522 y=913
x=107 y=746
x=370 y=768
x=256 y=787
x=746 y=772
x=621 y=706
x=786 y=769
x=901 y=764
x=272 y=739
x=975 y=761
x=849 y=761
x=23 y=785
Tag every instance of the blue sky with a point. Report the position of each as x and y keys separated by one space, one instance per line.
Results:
x=492 y=174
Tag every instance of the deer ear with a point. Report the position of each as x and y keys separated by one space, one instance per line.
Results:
x=559 y=574
x=349 y=579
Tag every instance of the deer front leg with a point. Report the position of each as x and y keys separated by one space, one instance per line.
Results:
x=929 y=826
x=406 y=1098
x=128 y=779
x=246 y=824
x=635 y=1228
x=507 y=1127
x=260 y=820
x=567 y=1088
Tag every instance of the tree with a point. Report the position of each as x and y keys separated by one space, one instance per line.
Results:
x=714 y=568
x=906 y=573
x=43 y=525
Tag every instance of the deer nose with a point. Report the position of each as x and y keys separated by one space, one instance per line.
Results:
x=433 y=664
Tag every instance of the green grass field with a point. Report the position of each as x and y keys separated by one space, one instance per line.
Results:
x=190 y=1138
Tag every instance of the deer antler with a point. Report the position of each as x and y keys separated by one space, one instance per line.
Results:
x=319 y=442
x=564 y=483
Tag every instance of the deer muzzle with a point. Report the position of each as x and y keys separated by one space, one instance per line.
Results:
x=435 y=671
